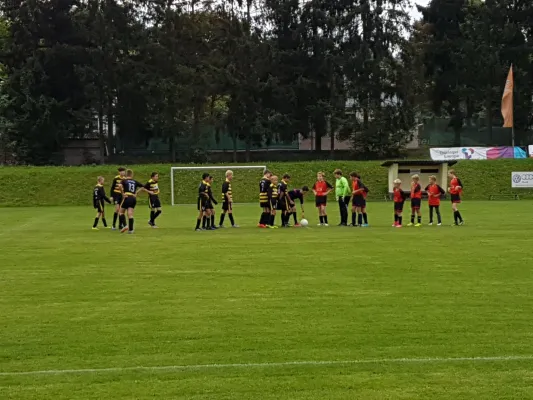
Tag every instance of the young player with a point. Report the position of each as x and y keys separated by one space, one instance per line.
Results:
x=358 y=200
x=434 y=192
x=284 y=201
x=399 y=199
x=227 y=201
x=99 y=197
x=210 y=206
x=342 y=193
x=273 y=200
x=363 y=208
x=116 y=195
x=130 y=188
x=297 y=194
x=153 y=199
x=264 y=203
x=416 y=201
x=203 y=198
x=321 y=189
x=456 y=189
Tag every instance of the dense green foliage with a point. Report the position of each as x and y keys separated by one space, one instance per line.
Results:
x=434 y=313
x=56 y=186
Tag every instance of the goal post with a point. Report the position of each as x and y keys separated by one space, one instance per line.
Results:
x=220 y=170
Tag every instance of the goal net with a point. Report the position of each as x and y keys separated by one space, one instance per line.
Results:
x=184 y=182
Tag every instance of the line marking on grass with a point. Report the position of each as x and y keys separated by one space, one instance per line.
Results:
x=428 y=360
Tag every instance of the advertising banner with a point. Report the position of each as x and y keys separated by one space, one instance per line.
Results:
x=530 y=150
x=522 y=179
x=476 y=153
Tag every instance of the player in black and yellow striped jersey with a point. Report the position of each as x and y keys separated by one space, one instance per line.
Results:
x=285 y=203
x=99 y=197
x=273 y=200
x=203 y=198
x=210 y=206
x=264 y=203
x=153 y=200
x=116 y=195
x=130 y=187
x=227 y=201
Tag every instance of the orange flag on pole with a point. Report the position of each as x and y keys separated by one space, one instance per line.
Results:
x=507 y=101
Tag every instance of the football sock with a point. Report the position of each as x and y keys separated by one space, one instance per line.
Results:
x=430 y=214
x=365 y=218
x=222 y=216
x=207 y=222
x=104 y=222
x=204 y=222
x=157 y=214
x=198 y=222
x=353 y=218
x=360 y=219
x=130 y=223
x=412 y=218
x=122 y=221
x=459 y=216
x=455 y=216
x=152 y=213
x=325 y=219
x=272 y=220
x=212 y=220
x=321 y=219
x=115 y=216
x=262 y=221
x=231 y=219
x=419 y=219
x=395 y=217
x=438 y=214
x=95 y=222
x=399 y=219
x=295 y=219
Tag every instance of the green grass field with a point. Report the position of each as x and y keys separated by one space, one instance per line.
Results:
x=317 y=313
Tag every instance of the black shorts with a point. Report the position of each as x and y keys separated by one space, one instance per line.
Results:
x=99 y=206
x=227 y=206
x=154 y=202
x=117 y=198
x=398 y=206
x=283 y=205
x=200 y=204
x=128 y=202
x=359 y=202
x=321 y=201
x=209 y=205
x=265 y=204
x=455 y=198
x=416 y=203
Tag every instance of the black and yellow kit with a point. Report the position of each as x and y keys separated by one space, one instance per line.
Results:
x=130 y=187
x=153 y=199
x=203 y=195
x=226 y=194
x=283 y=196
x=99 y=197
x=273 y=195
x=116 y=193
x=264 y=188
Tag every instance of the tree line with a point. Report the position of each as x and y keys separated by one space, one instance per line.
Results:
x=265 y=70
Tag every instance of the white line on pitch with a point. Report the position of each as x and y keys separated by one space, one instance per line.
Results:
x=428 y=360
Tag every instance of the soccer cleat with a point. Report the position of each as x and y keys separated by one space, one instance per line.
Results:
x=124 y=229
x=439 y=224
x=398 y=226
x=154 y=226
x=261 y=225
x=326 y=225
x=320 y=224
x=272 y=227
x=365 y=226
x=410 y=224
x=297 y=225
x=235 y=226
x=221 y=227
x=461 y=223
x=395 y=224
x=430 y=224
x=418 y=225
x=212 y=228
x=198 y=229
x=113 y=228
x=95 y=229
x=150 y=223
x=130 y=232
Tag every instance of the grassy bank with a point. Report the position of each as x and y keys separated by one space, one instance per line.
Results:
x=55 y=186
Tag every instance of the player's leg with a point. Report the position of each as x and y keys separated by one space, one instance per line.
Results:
x=294 y=215
x=212 y=214
x=122 y=218
x=418 y=216
x=354 y=214
x=96 y=219
x=325 y=214
x=437 y=211
x=413 y=212
x=342 y=210
x=199 y=217
x=359 y=212
x=102 y=216
x=431 y=214
x=223 y=214
x=365 y=216
x=116 y=213
x=158 y=212
x=131 y=221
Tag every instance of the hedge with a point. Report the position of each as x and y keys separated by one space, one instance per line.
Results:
x=56 y=186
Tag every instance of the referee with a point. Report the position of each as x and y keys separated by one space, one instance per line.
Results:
x=343 y=195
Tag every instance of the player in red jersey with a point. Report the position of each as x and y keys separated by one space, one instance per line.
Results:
x=359 y=191
x=416 y=201
x=321 y=189
x=399 y=199
x=434 y=192
x=455 y=190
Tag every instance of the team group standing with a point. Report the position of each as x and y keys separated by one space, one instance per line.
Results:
x=275 y=198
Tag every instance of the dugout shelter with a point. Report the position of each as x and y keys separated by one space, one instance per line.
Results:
x=404 y=169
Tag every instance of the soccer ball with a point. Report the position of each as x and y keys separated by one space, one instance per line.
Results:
x=304 y=222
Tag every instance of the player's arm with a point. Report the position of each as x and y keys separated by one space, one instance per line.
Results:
x=211 y=197
x=361 y=188
x=441 y=190
x=102 y=195
x=330 y=188
x=459 y=184
x=225 y=189
x=141 y=188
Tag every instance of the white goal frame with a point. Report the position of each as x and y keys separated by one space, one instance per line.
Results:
x=226 y=167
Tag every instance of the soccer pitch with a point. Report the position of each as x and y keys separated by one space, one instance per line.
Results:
x=301 y=313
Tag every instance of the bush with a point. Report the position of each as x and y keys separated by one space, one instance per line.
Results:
x=56 y=186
